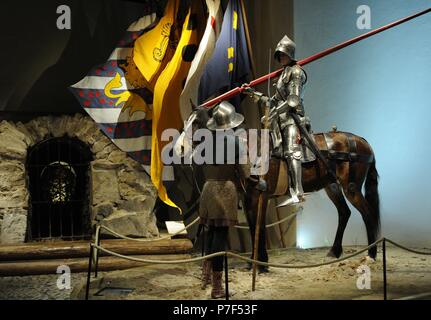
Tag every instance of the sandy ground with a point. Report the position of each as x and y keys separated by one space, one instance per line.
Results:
x=43 y=287
x=408 y=274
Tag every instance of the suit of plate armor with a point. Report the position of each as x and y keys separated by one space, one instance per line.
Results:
x=288 y=98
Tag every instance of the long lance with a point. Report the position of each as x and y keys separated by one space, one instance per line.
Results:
x=312 y=58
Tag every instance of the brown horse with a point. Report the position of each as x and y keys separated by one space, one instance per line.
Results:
x=351 y=158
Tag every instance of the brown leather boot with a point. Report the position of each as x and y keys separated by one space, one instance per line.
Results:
x=218 y=288
x=206 y=274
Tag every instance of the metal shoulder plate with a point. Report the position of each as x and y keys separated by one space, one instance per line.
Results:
x=297 y=73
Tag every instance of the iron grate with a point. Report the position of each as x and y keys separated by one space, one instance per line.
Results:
x=58 y=172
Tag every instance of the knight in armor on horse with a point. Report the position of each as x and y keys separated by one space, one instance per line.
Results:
x=288 y=99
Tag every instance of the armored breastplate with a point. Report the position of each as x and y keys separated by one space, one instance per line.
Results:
x=282 y=85
x=291 y=81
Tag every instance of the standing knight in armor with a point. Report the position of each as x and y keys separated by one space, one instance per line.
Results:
x=218 y=208
x=288 y=98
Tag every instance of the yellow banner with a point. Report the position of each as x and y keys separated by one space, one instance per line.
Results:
x=155 y=48
x=167 y=91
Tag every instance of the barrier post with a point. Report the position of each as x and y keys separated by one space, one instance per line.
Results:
x=96 y=266
x=385 y=292
x=90 y=259
x=226 y=276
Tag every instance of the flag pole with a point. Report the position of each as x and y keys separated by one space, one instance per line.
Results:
x=247 y=36
x=312 y=58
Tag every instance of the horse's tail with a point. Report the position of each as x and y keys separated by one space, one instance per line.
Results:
x=372 y=195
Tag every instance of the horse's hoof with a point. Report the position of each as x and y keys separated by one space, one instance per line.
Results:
x=334 y=253
x=330 y=254
x=372 y=253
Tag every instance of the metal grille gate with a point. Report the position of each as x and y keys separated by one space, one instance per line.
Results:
x=59 y=183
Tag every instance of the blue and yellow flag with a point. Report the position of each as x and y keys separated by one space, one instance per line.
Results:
x=230 y=63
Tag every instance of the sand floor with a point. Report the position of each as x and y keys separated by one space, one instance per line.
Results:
x=408 y=274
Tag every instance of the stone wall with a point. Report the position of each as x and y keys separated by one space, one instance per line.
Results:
x=122 y=194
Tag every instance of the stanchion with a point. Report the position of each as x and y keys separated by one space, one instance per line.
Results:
x=90 y=259
x=96 y=265
x=226 y=277
x=385 y=291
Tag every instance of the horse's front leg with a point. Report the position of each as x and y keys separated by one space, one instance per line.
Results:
x=336 y=195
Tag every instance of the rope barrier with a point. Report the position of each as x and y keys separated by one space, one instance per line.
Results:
x=273 y=224
x=149 y=240
x=96 y=241
x=234 y=255
x=408 y=249
x=156 y=261
x=183 y=229
x=95 y=246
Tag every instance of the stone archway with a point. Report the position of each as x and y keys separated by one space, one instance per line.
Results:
x=122 y=196
x=59 y=183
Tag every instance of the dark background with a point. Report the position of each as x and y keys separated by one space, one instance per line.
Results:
x=40 y=61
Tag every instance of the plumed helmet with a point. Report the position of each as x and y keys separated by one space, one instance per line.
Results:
x=285 y=46
x=224 y=117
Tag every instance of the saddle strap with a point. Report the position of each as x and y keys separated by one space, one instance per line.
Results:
x=350 y=156
x=353 y=151
x=329 y=147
